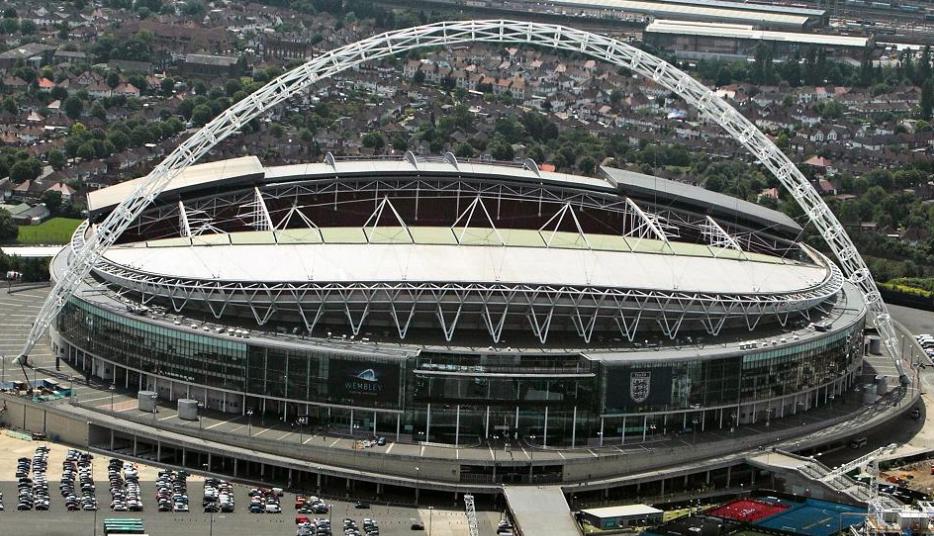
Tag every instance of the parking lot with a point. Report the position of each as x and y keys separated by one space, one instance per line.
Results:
x=393 y=520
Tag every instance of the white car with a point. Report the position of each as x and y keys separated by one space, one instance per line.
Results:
x=273 y=508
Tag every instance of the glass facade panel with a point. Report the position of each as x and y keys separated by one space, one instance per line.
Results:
x=498 y=395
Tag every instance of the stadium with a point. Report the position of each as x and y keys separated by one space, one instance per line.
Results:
x=451 y=302
x=473 y=324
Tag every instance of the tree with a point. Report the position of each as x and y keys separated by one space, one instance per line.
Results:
x=25 y=170
x=8 y=227
x=10 y=106
x=73 y=107
x=113 y=79
x=201 y=114
x=9 y=26
x=927 y=99
x=500 y=150
x=419 y=77
x=27 y=27
x=167 y=85
x=374 y=140
x=56 y=159
x=53 y=201
x=86 y=151
x=193 y=8
x=119 y=140
x=463 y=150
x=98 y=111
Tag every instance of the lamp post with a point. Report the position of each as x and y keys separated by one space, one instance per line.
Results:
x=112 y=388
x=207 y=469
x=249 y=413
x=417 y=474
x=3 y=366
x=153 y=397
x=430 y=510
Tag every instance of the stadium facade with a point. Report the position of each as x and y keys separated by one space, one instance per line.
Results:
x=427 y=299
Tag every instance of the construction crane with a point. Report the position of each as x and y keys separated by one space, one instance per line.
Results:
x=472 y=526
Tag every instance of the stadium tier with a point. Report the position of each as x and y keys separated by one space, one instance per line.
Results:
x=449 y=301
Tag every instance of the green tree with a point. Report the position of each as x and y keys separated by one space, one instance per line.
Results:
x=27 y=27
x=500 y=150
x=53 y=201
x=10 y=106
x=8 y=227
x=98 y=111
x=464 y=150
x=201 y=114
x=86 y=151
x=374 y=140
x=9 y=26
x=927 y=99
x=25 y=170
x=193 y=8
x=113 y=79
x=73 y=107
x=56 y=159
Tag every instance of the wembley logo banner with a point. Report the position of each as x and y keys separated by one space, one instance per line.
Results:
x=640 y=385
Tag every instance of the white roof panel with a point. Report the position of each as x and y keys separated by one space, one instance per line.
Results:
x=739 y=31
x=193 y=176
x=689 y=11
x=452 y=263
x=622 y=511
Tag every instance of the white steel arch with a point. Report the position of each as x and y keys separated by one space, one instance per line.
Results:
x=391 y=43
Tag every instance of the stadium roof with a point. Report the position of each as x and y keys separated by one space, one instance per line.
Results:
x=243 y=169
x=692 y=12
x=371 y=262
x=751 y=6
x=401 y=166
x=647 y=185
x=741 y=31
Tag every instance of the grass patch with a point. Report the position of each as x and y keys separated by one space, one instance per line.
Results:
x=916 y=286
x=55 y=231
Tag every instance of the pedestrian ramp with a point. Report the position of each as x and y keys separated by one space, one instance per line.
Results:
x=538 y=510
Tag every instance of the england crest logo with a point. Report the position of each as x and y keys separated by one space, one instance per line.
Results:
x=639 y=384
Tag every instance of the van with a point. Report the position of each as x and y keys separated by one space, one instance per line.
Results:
x=857 y=443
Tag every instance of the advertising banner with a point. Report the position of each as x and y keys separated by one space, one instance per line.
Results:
x=633 y=387
x=364 y=382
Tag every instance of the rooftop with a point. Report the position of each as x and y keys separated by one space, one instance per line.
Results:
x=692 y=12
x=622 y=511
x=631 y=181
x=744 y=31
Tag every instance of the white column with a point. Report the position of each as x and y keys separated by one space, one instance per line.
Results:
x=545 y=433
x=398 y=425
x=487 y=423
x=428 y=424
x=601 y=429
x=645 y=427
x=574 y=427
x=622 y=435
x=374 y=423
x=457 y=426
x=351 y=422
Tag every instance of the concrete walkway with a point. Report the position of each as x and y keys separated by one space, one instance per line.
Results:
x=540 y=510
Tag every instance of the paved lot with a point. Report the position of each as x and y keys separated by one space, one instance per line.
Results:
x=393 y=520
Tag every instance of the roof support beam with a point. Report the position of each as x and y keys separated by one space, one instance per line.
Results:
x=641 y=225
x=183 y=224
x=719 y=238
